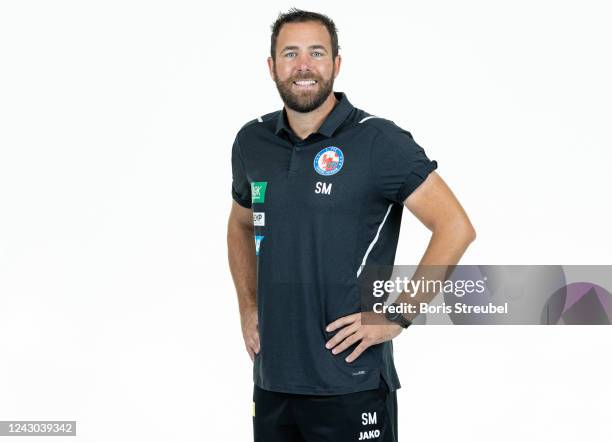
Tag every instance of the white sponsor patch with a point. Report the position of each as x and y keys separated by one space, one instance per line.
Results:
x=259 y=219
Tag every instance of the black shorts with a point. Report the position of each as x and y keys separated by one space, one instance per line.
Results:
x=362 y=416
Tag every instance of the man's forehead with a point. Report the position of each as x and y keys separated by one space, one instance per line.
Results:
x=305 y=34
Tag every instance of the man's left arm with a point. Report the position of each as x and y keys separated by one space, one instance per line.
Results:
x=434 y=204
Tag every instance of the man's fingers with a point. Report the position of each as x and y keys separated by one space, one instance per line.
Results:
x=256 y=345
x=252 y=342
x=347 y=342
x=343 y=333
x=357 y=352
x=341 y=322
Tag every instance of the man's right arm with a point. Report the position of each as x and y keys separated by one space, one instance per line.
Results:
x=242 y=262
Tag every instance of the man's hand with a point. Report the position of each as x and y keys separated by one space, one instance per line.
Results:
x=250 y=331
x=352 y=330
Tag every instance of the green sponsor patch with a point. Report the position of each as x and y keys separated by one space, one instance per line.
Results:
x=258 y=191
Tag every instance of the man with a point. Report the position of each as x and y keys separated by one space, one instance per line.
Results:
x=319 y=189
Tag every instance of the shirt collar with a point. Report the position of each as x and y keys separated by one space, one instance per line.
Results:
x=336 y=117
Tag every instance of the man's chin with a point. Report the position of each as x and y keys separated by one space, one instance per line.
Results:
x=304 y=101
x=303 y=107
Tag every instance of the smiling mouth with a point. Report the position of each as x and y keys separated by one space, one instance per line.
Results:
x=305 y=83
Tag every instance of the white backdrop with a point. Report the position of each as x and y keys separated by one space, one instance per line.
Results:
x=116 y=122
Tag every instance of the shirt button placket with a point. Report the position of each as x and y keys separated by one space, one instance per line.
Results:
x=293 y=165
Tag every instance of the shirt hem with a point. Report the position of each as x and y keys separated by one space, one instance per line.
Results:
x=318 y=391
x=314 y=390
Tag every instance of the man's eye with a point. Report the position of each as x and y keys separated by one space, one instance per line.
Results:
x=289 y=54
x=317 y=54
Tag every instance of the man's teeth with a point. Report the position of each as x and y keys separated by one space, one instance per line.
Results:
x=305 y=82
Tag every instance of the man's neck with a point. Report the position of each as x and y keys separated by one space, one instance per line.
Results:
x=304 y=124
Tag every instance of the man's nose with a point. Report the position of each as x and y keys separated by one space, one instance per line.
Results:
x=304 y=62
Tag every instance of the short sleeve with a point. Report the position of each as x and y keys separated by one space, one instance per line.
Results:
x=241 y=188
x=399 y=164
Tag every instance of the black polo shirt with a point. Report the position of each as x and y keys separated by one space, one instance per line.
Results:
x=322 y=208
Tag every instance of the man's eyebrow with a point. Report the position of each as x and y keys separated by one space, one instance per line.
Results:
x=295 y=48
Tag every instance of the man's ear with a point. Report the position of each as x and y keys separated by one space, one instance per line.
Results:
x=337 y=63
x=271 y=67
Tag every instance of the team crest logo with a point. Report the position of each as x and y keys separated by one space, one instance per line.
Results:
x=329 y=161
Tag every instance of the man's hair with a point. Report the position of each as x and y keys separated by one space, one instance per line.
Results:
x=295 y=15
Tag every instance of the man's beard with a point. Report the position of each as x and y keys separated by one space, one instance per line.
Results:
x=304 y=101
